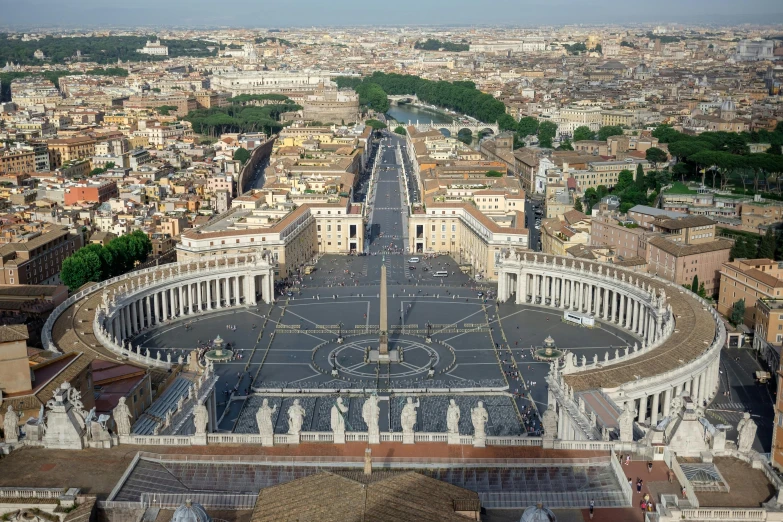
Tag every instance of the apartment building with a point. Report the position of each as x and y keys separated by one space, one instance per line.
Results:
x=92 y=192
x=38 y=257
x=751 y=280
x=64 y=150
x=560 y=234
x=17 y=161
x=687 y=247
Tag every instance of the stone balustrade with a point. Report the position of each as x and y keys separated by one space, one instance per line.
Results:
x=31 y=493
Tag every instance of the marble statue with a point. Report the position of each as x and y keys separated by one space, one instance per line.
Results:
x=371 y=413
x=337 y=418
x=625 y=421
x=11 y=426
x=479 y=418
x=122 y=417
x=200 y=419
x=296 y=414
x=549 y=423
x=264 y=419
x=746 y=433
x=452 y=418
x=676 y=405
x=408 y=415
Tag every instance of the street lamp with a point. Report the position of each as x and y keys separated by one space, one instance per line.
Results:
x=429 y=332
x=340 y=333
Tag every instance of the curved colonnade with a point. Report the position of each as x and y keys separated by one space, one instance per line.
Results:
x=680 y=334
x=134 y=302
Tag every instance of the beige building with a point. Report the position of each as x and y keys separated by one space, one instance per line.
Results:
x=565 y=231
x=70 y=149
x=293 y=230
x=461 y=230
x=751 y=280
x=758 y=215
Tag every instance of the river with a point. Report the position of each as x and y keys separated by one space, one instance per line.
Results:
x=408 y=112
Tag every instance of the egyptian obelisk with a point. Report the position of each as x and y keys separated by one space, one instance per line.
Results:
x=383 y=347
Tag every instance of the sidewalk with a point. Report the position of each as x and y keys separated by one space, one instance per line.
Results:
x=655 y=483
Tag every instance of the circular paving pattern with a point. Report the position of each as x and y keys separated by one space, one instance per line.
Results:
x=350 y=358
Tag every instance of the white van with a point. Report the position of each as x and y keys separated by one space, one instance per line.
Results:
x=441 y=273
x=413 y=260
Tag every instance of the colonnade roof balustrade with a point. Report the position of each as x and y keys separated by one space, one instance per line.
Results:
x=695 y=327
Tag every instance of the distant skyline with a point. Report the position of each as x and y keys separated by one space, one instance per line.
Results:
x=302 y=13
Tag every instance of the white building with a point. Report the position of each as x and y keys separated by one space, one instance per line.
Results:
x=154 y=48
x=752 y=50
x=569 y=118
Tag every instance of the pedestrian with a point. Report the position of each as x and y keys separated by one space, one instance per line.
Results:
x=649 y=467
x=683 y=492
x=592 y=507
x=639 y=485
x=670 y=474
x=628 y=460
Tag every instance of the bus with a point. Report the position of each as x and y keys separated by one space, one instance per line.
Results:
x=581 y=319
x=441 y=273
x=413 y=260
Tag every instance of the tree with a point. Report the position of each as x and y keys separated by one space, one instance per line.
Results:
x=565 y=145
x=547 y=130
x=241 y=155
x=494 y=174
x=702 y=292
x=609 y=131
x=399 y=129
x=737 y=316
x=375 y=124
x=578 y=205
x=582 y=133
x=640 y=176
x=695 y=284
x=767 y=245
x=624 y=180
x=590 y=198
x=465 y=136
x=655 y=156
x=527 y=126
x=164 y=110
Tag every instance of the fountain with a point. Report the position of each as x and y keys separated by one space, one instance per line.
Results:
x=218 y=353
x=548 y=352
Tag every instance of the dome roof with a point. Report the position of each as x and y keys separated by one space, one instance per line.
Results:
x=190 y=512
x=537 y=513
x=728 y=105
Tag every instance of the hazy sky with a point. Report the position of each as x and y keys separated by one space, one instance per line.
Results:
x=266 y=13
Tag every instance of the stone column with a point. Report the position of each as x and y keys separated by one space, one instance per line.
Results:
x=209 y=294
x=635 y=311
x=642 y=409
x=686 y=386
x=667 y=401
x=536 y=287
x=147 y=302
x=579 y=293
x=237 y=299
x=654 y=412
x=201 y=306
x=181 y=300
x=702 y=384
x=166 y=312
x=628 y=312
x=191 y=290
